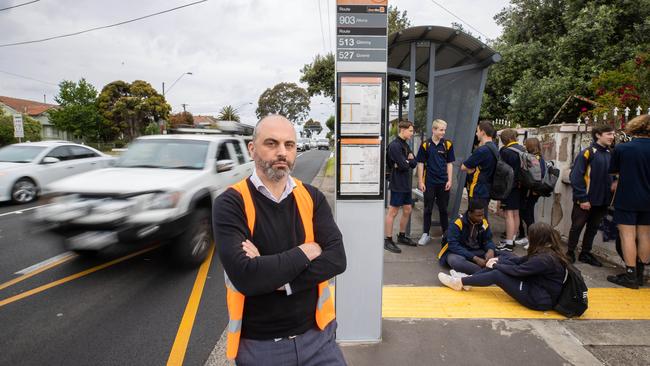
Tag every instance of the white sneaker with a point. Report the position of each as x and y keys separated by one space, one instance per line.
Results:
x=522 y=241
x=459 y=275
x=451 y=282
x=424 y=239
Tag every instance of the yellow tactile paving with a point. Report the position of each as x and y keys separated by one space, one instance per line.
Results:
x=492 y=302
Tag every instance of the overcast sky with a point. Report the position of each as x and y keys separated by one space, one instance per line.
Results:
x=234 y=48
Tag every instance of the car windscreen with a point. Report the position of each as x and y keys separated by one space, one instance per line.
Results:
x=20 y=154
x=165 y=154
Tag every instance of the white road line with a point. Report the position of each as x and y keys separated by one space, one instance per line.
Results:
x=44 y=263
x=18 y=212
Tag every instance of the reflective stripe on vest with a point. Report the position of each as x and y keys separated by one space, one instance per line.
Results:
x=325 y=307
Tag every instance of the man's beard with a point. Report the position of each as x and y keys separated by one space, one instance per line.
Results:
x=275 y=174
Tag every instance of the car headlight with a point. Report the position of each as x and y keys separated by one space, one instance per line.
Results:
x=163 y=200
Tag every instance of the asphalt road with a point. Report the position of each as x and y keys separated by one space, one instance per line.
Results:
x=120 y=310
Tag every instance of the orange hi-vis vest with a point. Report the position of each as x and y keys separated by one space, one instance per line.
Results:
x=325 y=307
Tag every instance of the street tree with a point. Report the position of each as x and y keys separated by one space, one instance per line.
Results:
x=330 y=125
x=129 y=108
x=77 y=112
x=553 y=49
x=181 y=118
x=287 y=99
x=312 y=126
x=228 y=113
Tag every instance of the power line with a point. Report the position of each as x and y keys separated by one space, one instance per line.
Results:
x=19 y=5
x=320 y=18
x=457 y=17
x=102 y=27
x=329 y=25
x=28 y=78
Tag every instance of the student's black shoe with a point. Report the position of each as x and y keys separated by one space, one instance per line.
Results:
x=571 y=255
x=390 y=246
x=589 y=259
x=640 y=267
x=406 y=241
x=625 y=280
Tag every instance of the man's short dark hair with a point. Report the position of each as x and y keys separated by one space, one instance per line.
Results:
x=404 y=125
x=476 y=204
x=487 y=127
x=508 y=135
x=599 y=130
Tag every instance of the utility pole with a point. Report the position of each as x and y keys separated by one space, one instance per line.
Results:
x=163 y=90
x=184 y=105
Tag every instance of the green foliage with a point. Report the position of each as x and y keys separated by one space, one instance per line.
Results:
x=128 y=108
x=330 y=123
x=228 y=113
x=312 y=126
x=319 y=76
x=182 y=118
x=31 y=127
x=626 y=86
x=286 y=99
x=152 y=129
x=553 y=49
x=77 y=112
x=397 y=21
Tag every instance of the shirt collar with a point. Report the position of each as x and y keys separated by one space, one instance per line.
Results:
x=263 y=189
x=511 y=143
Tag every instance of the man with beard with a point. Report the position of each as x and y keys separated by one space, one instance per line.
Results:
x=279 y=246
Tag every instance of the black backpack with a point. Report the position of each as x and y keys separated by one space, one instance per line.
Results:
x=530 y=168
x=573 y=299
x=547 y=185
x=503 y=178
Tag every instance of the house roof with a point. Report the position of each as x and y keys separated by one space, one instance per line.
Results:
x=29 y=107
x=204 y=119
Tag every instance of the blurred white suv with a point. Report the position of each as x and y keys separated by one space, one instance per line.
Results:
x=160 y=189
x=25 y=168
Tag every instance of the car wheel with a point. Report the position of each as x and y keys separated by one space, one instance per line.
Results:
x=191 y=248
x=24 y=191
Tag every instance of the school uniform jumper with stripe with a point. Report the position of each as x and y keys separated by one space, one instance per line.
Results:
x=435 y=158
x=591 y=182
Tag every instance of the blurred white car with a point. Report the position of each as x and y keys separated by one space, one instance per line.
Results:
x=26 y=168
x=161 y=188
x=323 y=144
x=302 y=144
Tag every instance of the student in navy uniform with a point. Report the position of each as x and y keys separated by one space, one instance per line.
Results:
x=434 y=176
x=402 y=160
x=631 y=161
x=469 y=241
x=592 y=193
x=512 y=203
x=528 y=197
x=534 y=280
x=481 y=164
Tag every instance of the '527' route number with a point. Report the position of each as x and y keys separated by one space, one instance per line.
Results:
x=346 y=55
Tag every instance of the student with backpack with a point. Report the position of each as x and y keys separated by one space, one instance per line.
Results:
x=401 y=160
x=480 y=166
x=510 y=153
x=631 y=161
x=592 y=193
x=435 y=157
x=530 y=196
x=535 y=280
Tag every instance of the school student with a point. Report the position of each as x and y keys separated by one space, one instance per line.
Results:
x=592 y=193
x=481 y=164
x=435 y=157
x=631 y=161
x=528 y=197
x=512 y=203
x=534 y=280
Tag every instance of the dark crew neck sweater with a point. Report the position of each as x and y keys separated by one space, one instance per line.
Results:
x=278 y=231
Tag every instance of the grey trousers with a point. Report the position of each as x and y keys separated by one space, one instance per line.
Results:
x=312 y=348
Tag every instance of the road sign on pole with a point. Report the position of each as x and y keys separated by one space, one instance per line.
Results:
x=19 y=132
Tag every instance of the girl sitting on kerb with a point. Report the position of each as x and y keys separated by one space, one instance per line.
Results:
x=534 y=280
